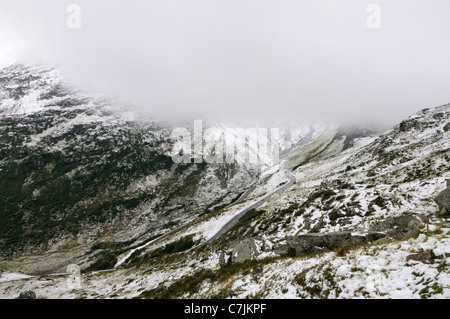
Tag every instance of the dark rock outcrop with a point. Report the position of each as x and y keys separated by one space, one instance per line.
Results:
x=422 y=257
x=443 y=201
x=401 y=227
x=311 y=243
x=238 y=252
x=409 y=124
x=404 y=226
x=447 y=127
x=29 y=294
x=224 y=259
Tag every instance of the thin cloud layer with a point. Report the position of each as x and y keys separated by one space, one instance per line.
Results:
x=253 y=59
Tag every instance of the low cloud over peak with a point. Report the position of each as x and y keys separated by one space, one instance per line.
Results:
x=244 y=59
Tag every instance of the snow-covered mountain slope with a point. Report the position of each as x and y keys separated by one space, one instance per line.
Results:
x=350 y=189
x=402 y=170
x=75 y=171
x=349 y=183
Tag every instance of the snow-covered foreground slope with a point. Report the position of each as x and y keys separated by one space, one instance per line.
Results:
x=368 y=272
x=337 y=189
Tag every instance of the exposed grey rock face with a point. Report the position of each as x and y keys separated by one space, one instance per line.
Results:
x=401 y=227
x=447 y=127
x=244 y=251
x=404 y=226
x=409 y=124
x=238 y=252
x=311 y=243
x=443 y=201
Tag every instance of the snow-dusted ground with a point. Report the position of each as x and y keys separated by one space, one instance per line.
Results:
x=12 y=276
x=370 y=272
x=373 y=271
x=379 y=271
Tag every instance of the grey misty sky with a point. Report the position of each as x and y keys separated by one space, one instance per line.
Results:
x=234 y=59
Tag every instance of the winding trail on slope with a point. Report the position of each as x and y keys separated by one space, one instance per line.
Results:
x=258 y=204
x=227 y=226
x=220 y=233
x=124 y=259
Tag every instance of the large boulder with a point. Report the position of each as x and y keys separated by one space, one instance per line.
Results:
x=401 y=227
x=447 y=127
x=316 y=242
x=409 y=124
x=243 y=251
x=443 y=201
x=27 y=295
x=239 y=251
x=422 y=257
